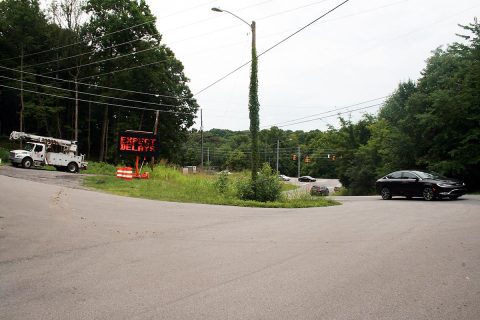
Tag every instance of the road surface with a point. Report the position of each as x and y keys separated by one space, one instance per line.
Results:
x=77 y=254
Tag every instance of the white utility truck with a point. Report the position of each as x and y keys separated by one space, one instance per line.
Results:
x=40 y=151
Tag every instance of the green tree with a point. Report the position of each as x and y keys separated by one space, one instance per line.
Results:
x=138 y=43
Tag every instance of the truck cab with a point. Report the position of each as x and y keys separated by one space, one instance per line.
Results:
x=32 y=154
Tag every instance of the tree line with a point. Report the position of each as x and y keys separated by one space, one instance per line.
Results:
x=432 y=124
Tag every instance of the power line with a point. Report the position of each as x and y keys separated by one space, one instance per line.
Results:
x=332 y=115
x=84 y=53
x=135 y=40
x=108 y=59
x=90 y=94
x=97 y=102
x=80 y=42
x=274 y=46
x=333 y=110
x=95 y=85
x=141 y=66
x=121 y=70
x=106 y=34
x=291 y=10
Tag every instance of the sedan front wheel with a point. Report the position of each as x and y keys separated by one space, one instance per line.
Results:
x=386 y=194
x=428 y=194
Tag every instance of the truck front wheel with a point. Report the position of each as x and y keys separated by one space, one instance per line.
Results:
x=72 y=167
x=27 y=163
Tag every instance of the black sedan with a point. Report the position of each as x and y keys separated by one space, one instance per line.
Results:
x=419 y=184
x=306 y=179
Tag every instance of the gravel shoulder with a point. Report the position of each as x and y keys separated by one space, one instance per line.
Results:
x=57 y=178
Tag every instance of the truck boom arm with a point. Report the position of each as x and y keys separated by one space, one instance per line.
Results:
x=71 y=146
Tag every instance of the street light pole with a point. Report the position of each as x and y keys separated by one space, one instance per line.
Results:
x=253 y=104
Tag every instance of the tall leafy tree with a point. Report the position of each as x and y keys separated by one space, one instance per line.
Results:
x=123 y=35
x=22 y=32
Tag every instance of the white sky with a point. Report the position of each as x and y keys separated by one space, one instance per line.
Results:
x=359 y=52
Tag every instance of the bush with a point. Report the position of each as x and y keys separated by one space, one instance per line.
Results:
x=221 y=182
x=267 y=187
x=4 y=155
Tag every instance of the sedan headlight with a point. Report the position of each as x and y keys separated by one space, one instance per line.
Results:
x=444 y=185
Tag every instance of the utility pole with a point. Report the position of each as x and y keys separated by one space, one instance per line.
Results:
x=208 y=157
x=298 y=159
x=22 y=105
x=278 y=147
x=253 y=104
x=201 y=135
x=155 y=131
x=76 y=109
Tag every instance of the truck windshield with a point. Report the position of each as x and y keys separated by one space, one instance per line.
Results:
x=29 y=146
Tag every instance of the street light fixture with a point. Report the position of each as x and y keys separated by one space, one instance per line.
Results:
x=253 y=104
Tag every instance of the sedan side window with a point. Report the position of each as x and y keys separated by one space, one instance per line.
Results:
x=395 y=175
x=408 y=175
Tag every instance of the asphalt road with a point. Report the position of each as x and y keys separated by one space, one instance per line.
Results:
x=76 y=254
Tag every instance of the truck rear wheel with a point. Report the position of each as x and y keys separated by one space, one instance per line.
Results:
x=27 y=163
x=72 y=167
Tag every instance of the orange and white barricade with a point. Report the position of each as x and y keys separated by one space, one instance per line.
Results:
x=125 y=173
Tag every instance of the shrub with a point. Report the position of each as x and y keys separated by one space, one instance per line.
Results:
x=222 y=183
x=267 y=187
x=4 y=155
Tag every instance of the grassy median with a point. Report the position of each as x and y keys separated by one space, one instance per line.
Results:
x=169 y=184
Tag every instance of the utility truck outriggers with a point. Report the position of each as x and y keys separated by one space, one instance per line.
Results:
x=40 y=151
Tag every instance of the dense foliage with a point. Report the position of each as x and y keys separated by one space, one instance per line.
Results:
x=74 y=56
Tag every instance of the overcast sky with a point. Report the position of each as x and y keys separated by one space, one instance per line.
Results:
x=359 y=52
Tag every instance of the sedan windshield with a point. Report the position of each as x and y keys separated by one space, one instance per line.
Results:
x=428 y=175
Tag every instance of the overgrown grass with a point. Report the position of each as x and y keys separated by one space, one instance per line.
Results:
x=168 y=184
x=288 y=186
x=100 y=168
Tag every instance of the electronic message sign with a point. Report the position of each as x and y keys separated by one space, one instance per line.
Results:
x=140 y=143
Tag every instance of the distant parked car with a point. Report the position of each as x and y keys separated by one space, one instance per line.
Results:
x=306 y=179
x=419 y=184
x=283 y=177
x=317 y=190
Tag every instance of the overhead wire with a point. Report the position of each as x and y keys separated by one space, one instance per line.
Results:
x=95 y=85
x=157 y=62
x=80 y=42
x=104 y=60
x=83 y=53
x=324 y=112
x=274 y=46
x=332 y=115
x=135 y=40
x=96 y=102
x=90 y=94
